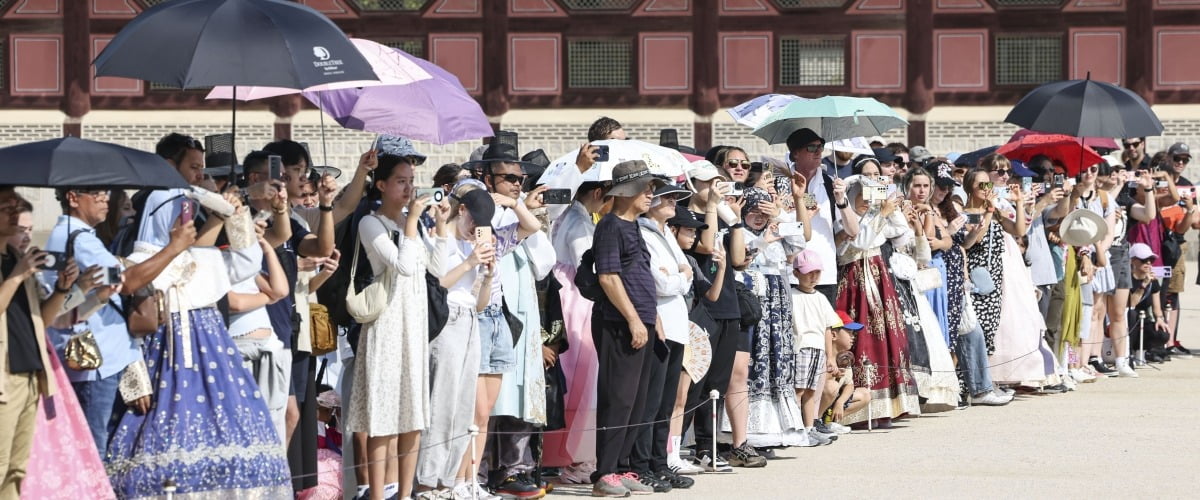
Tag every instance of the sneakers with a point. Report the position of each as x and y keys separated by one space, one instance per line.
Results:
x=990 y=398
x=1082 y=377
x=634 y=484
x=713 y=464
x=838 y=428
x=1124 y=370
x=519 y=487
x=1100 y=368
x=1004 y=391
x=576 y=474
x=1180 y=351
x=652 y=480
x=675 y=480
x=683 y=467
x=767 y=453
x=610 y=485
x=817 y=439
x=471 y=490
x=745 y=456
x=821 y=428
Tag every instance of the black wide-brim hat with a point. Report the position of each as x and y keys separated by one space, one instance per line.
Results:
x=503 y=148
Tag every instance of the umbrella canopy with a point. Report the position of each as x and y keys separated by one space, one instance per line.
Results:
x=1091 y=142
x=856 y=145
x=562 y=173
x=1085 y=108
x=972 y=158
x=390 y=67
x=1069 y=150
x=832 y=117
x=72 y=162
x=205 y=43
x=436 y=109
x=754 y=112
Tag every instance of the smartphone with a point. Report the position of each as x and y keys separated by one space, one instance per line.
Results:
x=810 y=201
x=735 y=188
x=262 y=216
x=187 y=212
x=1132 y=184
x=1046 y=187
x=483 y=235
x=110 y=276
x=556 y=196
x=875 y=194
x=55 y=261
x=1160 y=184
x=1027 y=184
x=892 y=189
x=1059 y=180
x=974 y=218
x=791 y=228
x=1162 y=272
x=275 y=167
x=1001 y=192
x=601 y=153
x=436 y=194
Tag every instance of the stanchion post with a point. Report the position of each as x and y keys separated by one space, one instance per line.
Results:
x=714 y=396
x=473 y=430
x=1142 y=338
x=169 y=488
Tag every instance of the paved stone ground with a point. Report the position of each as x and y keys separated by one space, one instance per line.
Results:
x=1127 y=437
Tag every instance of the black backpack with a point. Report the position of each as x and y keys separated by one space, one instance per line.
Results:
x=586 y=279
x=333 y=293
x=749 y=305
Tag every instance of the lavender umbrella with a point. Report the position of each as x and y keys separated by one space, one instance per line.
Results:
x=436 y=110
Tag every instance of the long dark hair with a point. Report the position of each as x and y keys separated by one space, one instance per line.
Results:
x=107 y=229
x=385 y=170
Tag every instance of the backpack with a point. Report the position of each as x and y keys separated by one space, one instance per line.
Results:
x=333 y=293
x=436 y=296
x=586 y=279
x=748 y=304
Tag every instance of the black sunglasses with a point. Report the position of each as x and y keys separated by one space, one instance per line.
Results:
x=513 y=178
x=813 y=148
x=1133 y=144
x=1182 y=159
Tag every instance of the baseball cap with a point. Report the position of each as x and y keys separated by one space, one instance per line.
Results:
x=848 y=322
x=702 y=170
x=807 y=261
x=919 y=154
x=1142 y=251
x=1179 y=148
x=884 y=155
x=684 y=219
x=670 y=188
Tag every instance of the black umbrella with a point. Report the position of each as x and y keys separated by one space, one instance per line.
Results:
x=970 y=160
x=72 y=162
x=205 y=43
x=1085 y=108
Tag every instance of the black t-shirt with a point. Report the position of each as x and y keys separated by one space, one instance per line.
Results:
x=618 y=247
x=281 y=312
x=726 y=305
x=23 y=356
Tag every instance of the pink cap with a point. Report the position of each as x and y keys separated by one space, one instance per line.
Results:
x=807 y=261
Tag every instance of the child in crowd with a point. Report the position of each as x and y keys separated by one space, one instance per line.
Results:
x=812 y=320
x=841 y=396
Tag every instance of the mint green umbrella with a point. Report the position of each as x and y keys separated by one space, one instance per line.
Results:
x=832 y=117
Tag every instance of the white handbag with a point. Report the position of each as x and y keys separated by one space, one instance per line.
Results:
x=927 y=279
x=968 y=322
x=366 y=306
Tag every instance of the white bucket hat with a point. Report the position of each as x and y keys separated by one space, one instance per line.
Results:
x=1082 y=227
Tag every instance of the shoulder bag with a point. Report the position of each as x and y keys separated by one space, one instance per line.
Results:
x=366 y=306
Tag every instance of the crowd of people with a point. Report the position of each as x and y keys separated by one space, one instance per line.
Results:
x=273 y=329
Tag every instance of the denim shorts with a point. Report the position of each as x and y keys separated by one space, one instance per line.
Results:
x=496 y=351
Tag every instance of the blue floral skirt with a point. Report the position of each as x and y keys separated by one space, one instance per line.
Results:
x=208 y=430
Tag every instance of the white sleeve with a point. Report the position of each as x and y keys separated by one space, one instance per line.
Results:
x=377 y=241
x=541 y=254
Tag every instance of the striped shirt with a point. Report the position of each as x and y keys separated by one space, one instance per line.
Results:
x=618 y=247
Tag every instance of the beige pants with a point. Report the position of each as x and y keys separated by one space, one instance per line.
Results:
x=17 y=417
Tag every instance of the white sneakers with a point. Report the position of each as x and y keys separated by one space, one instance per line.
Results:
x=1081 y=376
x=683 y=467
x=991 y=398
x=1124 y=370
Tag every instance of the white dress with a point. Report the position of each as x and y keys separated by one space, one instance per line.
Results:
x=391 y=371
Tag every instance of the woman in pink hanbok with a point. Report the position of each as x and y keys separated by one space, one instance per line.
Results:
x=63 y=462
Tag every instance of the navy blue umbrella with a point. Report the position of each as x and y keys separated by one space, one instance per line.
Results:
x=205 y=43
x=971 y=159
x=1085 y=108
x=72 y=162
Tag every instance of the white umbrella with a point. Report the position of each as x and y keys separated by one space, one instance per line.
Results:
x=856 y=145
x=753 y=113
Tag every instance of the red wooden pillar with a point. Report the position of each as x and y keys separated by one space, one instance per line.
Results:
x=919 y=98
x=495 y=61
x=1139 y=50
x=706 y=71
x=77 y=63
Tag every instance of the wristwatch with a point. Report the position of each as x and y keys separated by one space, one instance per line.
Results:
x=324 y=208
x=845 y=203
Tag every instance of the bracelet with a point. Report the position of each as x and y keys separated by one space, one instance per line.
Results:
x=843 y=204
x=324 y=208
x=1148 y=190
x=60 y=290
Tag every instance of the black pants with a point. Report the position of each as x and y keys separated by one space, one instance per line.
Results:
x=724 y=339
x=650 y=450
x=622 y=381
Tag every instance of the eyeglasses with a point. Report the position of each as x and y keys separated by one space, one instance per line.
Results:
x=1182 y=159
x=97 y=193
x=1133 y=144
x=1001 y=171
x=738 y=164
x=513 y=178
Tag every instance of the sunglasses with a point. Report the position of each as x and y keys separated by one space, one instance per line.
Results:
x=1133 y=144
x=984 y=186
x=738 y=164
x=1093 y=169
x=513 y=178
x=1001 y=171
x=813 y=148
x=1182 y=159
